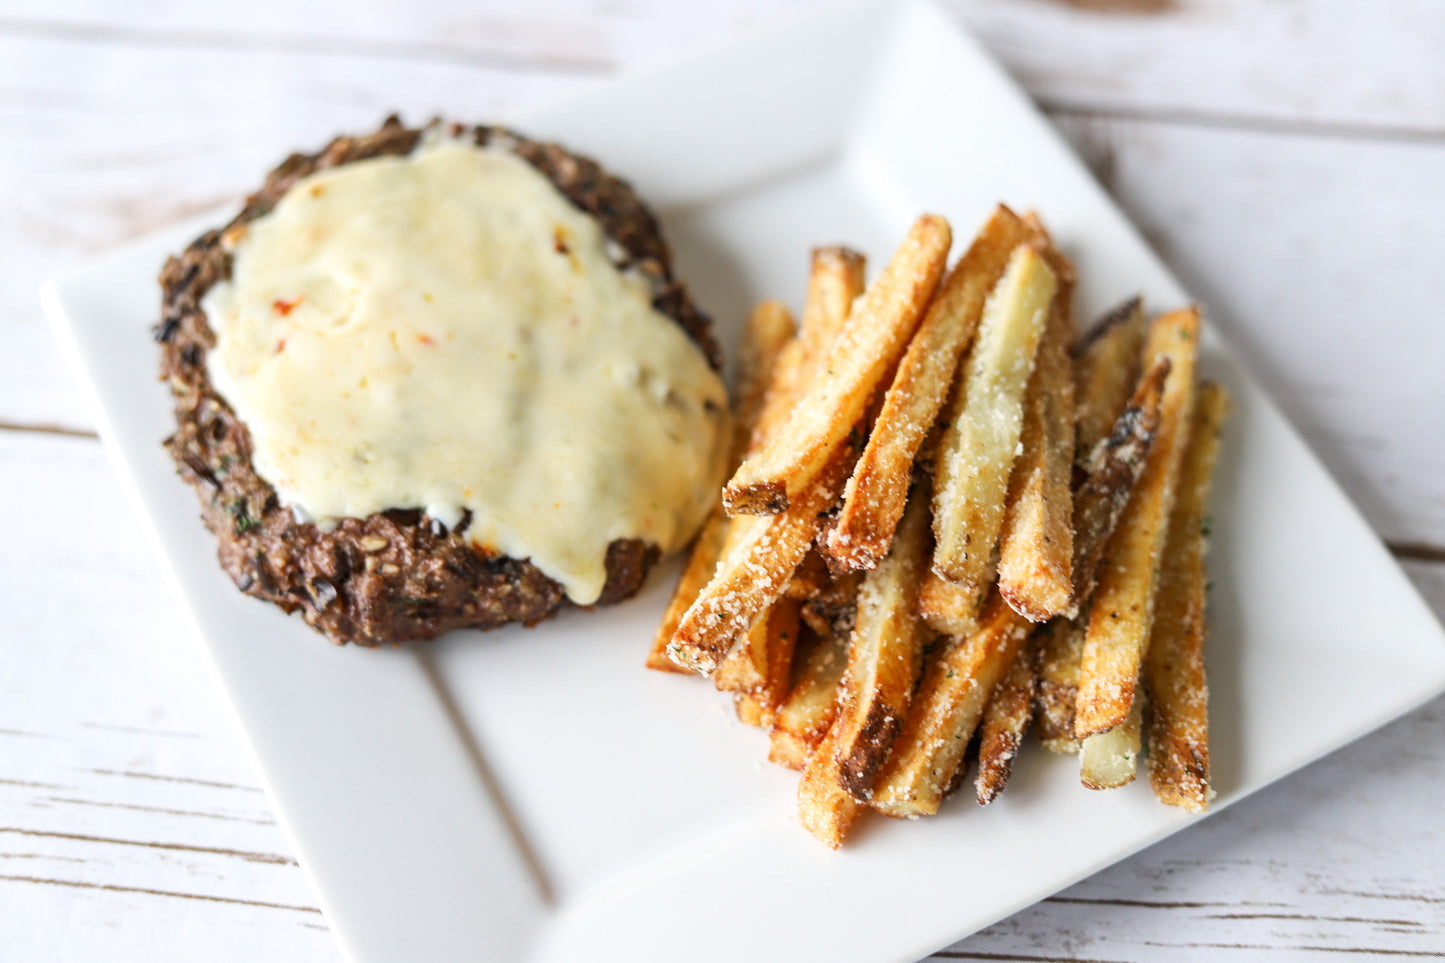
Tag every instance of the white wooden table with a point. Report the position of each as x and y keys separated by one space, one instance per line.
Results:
x=1287 y=160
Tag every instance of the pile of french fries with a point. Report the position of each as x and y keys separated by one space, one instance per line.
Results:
x=951 y=518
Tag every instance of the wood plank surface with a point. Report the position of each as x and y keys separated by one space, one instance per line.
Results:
x=1284 y=158
x=1335 y=64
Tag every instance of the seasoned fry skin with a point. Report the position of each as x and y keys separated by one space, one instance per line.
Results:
x=1174 y=669
x=1061 y=645
x=1114 y=471
x=1005 y=721
x=1106 y=367
x=805 y=715
x=981 y=440
x=884 y=656
x=945 y=712
x=874 y=497
x=1122 y=611
x=824 y=809
x=1036 y=543
x=766 y=336
x=867 y=348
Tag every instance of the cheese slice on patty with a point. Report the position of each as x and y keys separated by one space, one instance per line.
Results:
x=446 y=331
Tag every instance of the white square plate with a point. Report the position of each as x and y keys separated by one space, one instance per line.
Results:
x=536 y=795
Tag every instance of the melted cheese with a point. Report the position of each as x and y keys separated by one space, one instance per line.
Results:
x=445 y=331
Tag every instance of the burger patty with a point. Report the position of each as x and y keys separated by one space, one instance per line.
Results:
x=397 y=575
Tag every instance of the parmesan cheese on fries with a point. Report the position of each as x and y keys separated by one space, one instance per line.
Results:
x=1056 y=545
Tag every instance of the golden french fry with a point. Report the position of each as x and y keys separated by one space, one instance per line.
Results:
x=1123 y=604
x=824 y=809
x=1107 y=760
x=835 y=280
x=981 y=440
x=1115 y=469
x=884 y=657
x=768 y=332
x=759 y=688
x=811 y=579
x=1061 y=644
x=767 y=337
x=874 y=498
x=945 y=712
x=706 y=551
x=865 y=350
x=1106 y=367
x=950 y=609
x=1036 y=543
x=805 y=715
x=1005 y=720
x=746 y=667
x=752 y=577
x=1174 y=668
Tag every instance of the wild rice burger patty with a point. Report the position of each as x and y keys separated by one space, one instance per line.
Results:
x=398 y=574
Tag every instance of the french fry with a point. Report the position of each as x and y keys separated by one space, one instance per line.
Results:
x=752 y=577
x=835 y=280
x=746 y=667
x=805 y=715
x=834 y=609
x=695 y=575
x=1106 y=367
x=1122 y=610
x=811 y=578
x=884 y=657
x=866 y=349
x=750 y=710
x=769 y=332
x=1107 y=760
x=874 y=497
x=1036 y=543
x=1114 y=472
x=1047 y=524
x=1174 y=669
x=945 y=712
x=1005 y=720
x=948 y=608
x=982 y=437
x=824 y=809
x=1061 y=644
x=760 y=689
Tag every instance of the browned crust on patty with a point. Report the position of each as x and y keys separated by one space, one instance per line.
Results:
x=395 y=576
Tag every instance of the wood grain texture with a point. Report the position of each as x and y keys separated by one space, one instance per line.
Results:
x=1284 y=158
x=1311 y=256
x=1333 y=64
